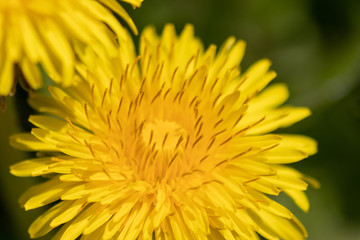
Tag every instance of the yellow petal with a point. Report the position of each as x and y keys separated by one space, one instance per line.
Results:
x=299 y=198
x=32 y=73
x=98 y=220
x=45 y=104
x=299 y=142
x=41 y=225
x=31 y=167
x=73 y=209
x=117 y=220
x=61 y=48
x=73 y=229
x=6 y=76
x=28 y=142
x=287 y=182
x=49 y=123
x=273 y=96
x=118 y=9
x=44 y=193
x=274 y=119
x=135 y=222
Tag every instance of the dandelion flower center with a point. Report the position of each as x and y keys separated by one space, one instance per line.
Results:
x=173 y=143
x=164 y=135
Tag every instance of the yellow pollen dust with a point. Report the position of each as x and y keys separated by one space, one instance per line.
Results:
x=164 y=134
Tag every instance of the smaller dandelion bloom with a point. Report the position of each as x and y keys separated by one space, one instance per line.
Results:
x=46 y=33
x=172 y=144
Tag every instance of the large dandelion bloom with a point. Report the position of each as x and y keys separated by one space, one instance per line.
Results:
x=173 y=144
x=45 y=32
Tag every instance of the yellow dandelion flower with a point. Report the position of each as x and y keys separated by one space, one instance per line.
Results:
x=173 y=144
x=45 y=32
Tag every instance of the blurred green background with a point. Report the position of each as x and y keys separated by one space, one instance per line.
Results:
x=315 y=48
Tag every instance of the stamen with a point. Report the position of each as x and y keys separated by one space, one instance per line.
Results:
x=251 y=97
x=130 y=106
x=118 y=123
x=116 y=152
x=86 y=112
x=91 y=149
x=242 y=130
x=108 y=121
x=141 y=127
x=203 y=159
x=192 y=77
x=215 y=100
x=158 y=50
x=242 y=153
x=250 y=126
x=166 y=93
x=121 y=81
x=161 y=70
x=212 y=142
x=181 y=95
x=188 y=63
x=198 y=132
x=156 y=96
x=179 y=141
x=242 y=80
x=196 y=111
x=153 y=147
x=220 y=163
x=203 y=84
x=213 y=181
x=197 y=140
x=148 y=65
x=110 y=88
x=141 y=98
x=93 y=94
x=215 y=82
x=197 y=122
x=269 y=148
x=192 y=101
x=165 y=137
x=173 y=76
x=71 y=124
x=151 y=137
x=221 y=109
x=156 y=70
x=217 y=123
x=226 y=141
x=126 y=72
x=134 y=64
x=207 y=182
x=135 y=127
x=187 y=141
x=142 y=84
x=217 y=133
x=105 y=144
x=252 y=180
x=173 y=159
x=238 y=120
x=155 y=154
x=176 y=96
x=72 y=136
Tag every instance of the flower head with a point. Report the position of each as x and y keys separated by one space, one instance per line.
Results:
x=47 y=32
x=173 y=144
